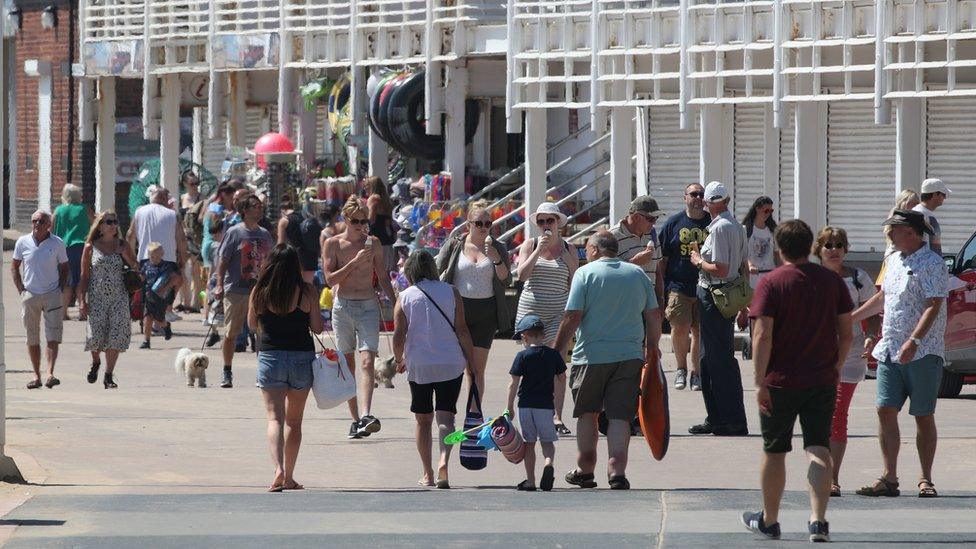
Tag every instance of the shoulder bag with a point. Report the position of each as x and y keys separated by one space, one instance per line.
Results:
x=734 y=296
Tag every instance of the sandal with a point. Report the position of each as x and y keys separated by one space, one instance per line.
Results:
x=835 y=490
x=93 y=372
x=293 y=486
x=881 y=488
x=578 y=478
x=928 y=491
x=51 y=382
x=443 y=484
x=562 y=429
x=524 y=486
x=36 y=384
x=619 y=482
x=275 y=488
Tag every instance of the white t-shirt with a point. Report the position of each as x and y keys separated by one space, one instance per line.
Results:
x=156 y=223
x=854 y=365
x=762 y=249
x=40 y=262
x=931 y=219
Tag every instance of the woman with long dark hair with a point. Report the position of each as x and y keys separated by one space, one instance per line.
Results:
x=381 y=219
x=759 y=224
x=283 y=309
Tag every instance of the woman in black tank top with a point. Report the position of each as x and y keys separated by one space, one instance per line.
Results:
x=283 y=310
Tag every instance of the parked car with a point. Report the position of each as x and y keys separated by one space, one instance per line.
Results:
x=960 y=337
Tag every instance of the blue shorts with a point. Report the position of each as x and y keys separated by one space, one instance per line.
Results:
x=918 y=381
x=74 y=263
x=285 y=369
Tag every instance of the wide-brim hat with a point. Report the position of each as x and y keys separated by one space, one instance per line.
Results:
x=909 y=218
x=549 y=208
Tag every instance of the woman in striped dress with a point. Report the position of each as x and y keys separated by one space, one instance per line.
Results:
x=546 y=266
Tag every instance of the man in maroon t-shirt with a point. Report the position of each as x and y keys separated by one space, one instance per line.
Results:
x=801 y=336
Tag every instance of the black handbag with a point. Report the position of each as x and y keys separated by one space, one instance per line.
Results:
x=131 y=280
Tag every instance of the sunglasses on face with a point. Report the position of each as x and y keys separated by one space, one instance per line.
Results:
x=482 y=224
x=359 y=221
x=768 y=211
x=835 y=246
x=110 y=221
x=38 y=221
x=545 y=221
x=696 y=194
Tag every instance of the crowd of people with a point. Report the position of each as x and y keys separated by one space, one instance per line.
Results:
x=699 y=273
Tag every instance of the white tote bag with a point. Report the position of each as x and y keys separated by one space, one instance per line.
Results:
x=332 y=382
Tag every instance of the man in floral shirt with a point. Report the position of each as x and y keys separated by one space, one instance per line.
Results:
x=911 y=351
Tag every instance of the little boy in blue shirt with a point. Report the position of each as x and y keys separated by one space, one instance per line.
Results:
x=535 y=372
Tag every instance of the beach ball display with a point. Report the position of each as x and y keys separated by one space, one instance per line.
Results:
x=272 y=142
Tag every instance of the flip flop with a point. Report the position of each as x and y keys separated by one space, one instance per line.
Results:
x=36 y=384
x=275 y=488
x=443 y=484
x=425 y=483
x=294 y=486
x=52 y=382
x=548 y=475
x=524 y=486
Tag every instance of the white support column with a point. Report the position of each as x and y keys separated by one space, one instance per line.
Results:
x=169 y=134
x=454 y=147
x=716 y=163
x=771 y=155
x=237 y=111
x=286 y=100
x=45 y=91
x=216 y=101
x=87 y=108
x=910 y=132
x=105 y=146
x=307 y=135
x=481 y=144
x=199 y=135
x=535 y=165
x=643 y=140
x=621 y=163
x=379 y=156
x=810 y=164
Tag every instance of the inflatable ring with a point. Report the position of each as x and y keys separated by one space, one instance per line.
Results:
x=339 y=99
x=374 y=104
x=383 y=115
x=407 y=125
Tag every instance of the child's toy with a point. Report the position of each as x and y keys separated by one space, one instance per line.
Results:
x=655 y=418
x=508 y=439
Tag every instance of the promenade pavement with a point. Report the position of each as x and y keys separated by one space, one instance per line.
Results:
x=157 y=464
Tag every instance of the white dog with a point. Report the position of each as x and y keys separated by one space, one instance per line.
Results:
x=193 y=365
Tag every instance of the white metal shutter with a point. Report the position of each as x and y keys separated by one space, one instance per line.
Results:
x=951 y=156
x=214 y=150
x=787 y=144
x=860 y=173
x=747 y=157
x=674 y=158
x=260 y=120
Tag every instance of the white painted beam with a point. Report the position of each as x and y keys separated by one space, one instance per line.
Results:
x=810 y=165
x=169 y=134
x=535 y=165
x=45 y=91
x=715 y=162
x=910 y=143
x=237 y=109
x=642 y=135
x=770 y=153
x=621 y=163
x=105 y=146
x=454 y=147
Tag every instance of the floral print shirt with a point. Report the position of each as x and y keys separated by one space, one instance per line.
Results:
x=908 y=283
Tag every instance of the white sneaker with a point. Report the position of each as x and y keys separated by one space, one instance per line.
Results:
x=680 y=379
x=695 y=382
x=173 y=317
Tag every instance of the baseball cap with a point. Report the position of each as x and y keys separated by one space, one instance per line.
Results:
x=933 y=185
x=646 y=204
x=909 y=218
x=715 y=192
x=528 y=322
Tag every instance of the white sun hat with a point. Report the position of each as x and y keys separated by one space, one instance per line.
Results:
x=548 y=208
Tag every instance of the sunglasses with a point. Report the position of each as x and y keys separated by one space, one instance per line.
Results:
x=545 y=221
x=482 y=224
x=38 y=221
x=835 y=246
x=768 y=211
x=110 y=221
x=696 y=194
x=359 y=221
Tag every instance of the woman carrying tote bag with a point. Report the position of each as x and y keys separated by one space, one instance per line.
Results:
x=283 y=310
x=430 y=343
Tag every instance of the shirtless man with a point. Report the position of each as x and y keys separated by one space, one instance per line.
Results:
x=350 y=260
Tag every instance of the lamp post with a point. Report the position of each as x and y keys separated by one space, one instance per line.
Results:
x=8 y=469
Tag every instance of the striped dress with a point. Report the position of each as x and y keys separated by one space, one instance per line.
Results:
x=545 y=294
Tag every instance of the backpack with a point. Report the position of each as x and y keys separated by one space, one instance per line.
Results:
x=193 y=226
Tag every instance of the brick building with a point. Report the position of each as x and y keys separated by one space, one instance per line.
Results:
x=34 y=171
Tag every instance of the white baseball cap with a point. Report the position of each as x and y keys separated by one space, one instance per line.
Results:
x=715 y=192
x=933 y=185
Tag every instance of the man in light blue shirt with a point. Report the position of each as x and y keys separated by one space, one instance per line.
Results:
x=614 y=315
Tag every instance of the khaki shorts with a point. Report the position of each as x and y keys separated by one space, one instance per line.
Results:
x=235 y=314
x=682 y=310
x=614 y=387
x=48 y=306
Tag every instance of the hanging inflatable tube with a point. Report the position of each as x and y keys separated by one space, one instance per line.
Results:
x=374 y=104
x=386 y=101
x=407 y=125
x=339 y=99
x=382 y=107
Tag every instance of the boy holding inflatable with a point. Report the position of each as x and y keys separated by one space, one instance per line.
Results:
x=535 y=372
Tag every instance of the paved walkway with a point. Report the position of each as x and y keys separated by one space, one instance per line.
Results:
x=157 y=464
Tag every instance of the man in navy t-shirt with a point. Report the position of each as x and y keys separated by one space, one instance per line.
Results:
x=679 y=234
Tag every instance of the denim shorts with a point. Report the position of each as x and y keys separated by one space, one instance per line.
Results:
x=917 y=381
x=285 y=369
